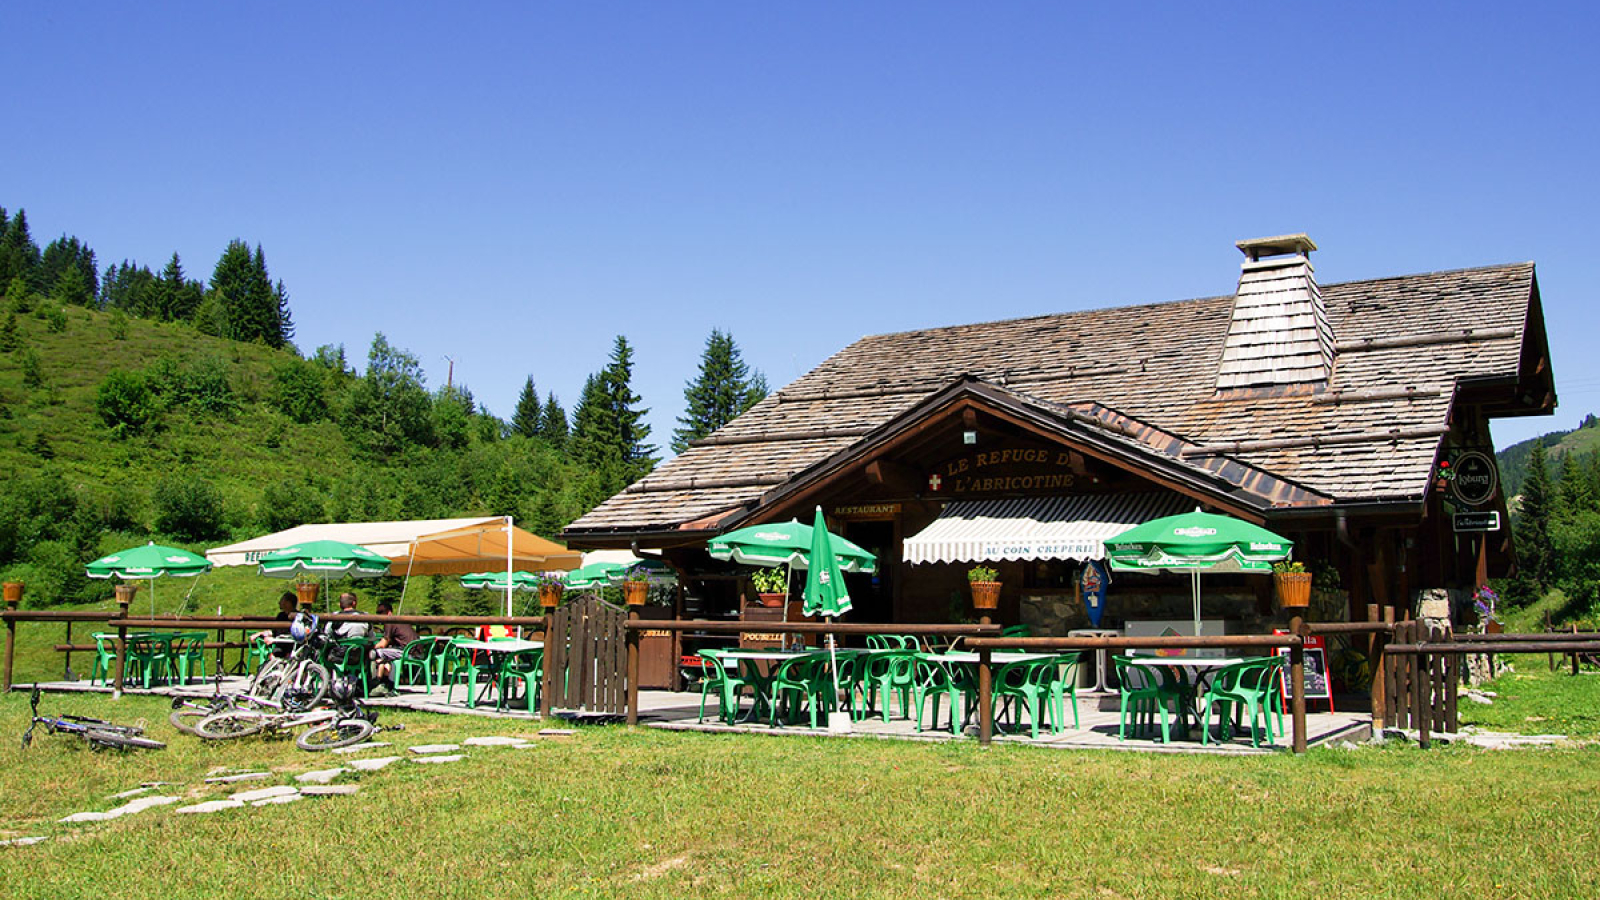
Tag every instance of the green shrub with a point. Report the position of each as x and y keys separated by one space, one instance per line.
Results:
x=189 y=508
x=300 y=391
x=9 y=338
x=32 y=372
x=125 y=403
x=117 y=326
x=55 y=318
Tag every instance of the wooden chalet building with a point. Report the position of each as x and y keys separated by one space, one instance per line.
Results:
x=1328 y=413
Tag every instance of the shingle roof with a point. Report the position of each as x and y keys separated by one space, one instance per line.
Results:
x=1401 y=346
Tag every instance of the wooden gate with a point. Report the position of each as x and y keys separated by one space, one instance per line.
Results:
x=1420 y=688
x=586 y=658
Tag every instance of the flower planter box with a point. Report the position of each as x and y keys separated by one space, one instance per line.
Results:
x=13 y=593
x=635 y=592
x=550 y=595
x=772 y=601
x=306 y=591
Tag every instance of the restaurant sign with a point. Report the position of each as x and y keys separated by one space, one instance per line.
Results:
x=1477 y=521
x=1471 y=477
x=1004 y=470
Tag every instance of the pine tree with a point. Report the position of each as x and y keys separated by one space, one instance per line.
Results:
x=69 y=253
x=1576 y=490
x=608 y=431
x=285 y=321
x=70 y=288
x=1535 y=552
x=252 y=308
x=19 y=255
x=526 y=419
x=723 y=390
x=553 y=423
x=174 y=297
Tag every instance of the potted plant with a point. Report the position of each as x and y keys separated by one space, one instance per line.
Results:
x=772 y=586
x=1293 y=583
x=551 y=587
x=636 y=586
x=1484 y=601
x=306 y=592
x=985 y=583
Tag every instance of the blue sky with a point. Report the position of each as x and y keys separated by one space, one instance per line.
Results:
x=513 y=185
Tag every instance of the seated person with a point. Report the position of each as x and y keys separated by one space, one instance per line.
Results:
x=390 y=647
x=342 y=630
x=286 y=609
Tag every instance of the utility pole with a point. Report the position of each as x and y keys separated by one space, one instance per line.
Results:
x=450 y=374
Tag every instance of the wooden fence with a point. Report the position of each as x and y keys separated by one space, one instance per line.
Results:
x=588 y=666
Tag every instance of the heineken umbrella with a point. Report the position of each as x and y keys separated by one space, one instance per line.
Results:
x=827 y=596
x=496 y=581
x=654 y=571
x=787 y=544
x=330 y=559
x=148 y=562
x=1191 y=542
x=594 y=575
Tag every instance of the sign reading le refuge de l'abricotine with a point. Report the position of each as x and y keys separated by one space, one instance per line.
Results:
x=1004 y=469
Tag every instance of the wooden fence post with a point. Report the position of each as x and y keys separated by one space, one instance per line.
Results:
x=13 y=598
x=632 y=699
x=1297 y=683
x=985 y=699
x=1375 y=665
x=124 y=599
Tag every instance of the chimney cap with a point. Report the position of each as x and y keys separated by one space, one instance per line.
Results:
x=1281 y=245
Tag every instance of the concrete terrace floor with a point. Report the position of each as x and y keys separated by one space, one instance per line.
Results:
x=1098 y=718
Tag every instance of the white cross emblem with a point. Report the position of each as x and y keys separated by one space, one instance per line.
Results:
x=934 y=481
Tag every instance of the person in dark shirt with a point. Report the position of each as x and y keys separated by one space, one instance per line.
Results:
x=396 y=635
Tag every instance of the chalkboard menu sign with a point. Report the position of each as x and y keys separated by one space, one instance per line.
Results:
x=1318 y=687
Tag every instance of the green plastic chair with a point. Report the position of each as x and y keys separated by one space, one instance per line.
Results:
x=474 y=665
x=890 y=673
x=189 y=655
x=804 y=677
x=420 y=658
x=1064 y=687
x=1251 y=686
x=259 y=651
x=1147 y=690
x=715 y=677
x=526 y=669
x=151 y=659
x=935 y=681
x=348 y=659
x=1028 y=684
x=105 y=656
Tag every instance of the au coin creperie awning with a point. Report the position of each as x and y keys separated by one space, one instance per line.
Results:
x=1072 y=527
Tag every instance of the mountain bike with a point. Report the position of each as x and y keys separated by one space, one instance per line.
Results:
x=299 y=680
x=342 y=725
x=97 y=732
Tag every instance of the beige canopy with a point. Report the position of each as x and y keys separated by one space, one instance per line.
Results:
x=423 y=546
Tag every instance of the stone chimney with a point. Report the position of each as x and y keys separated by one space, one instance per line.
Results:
x=1279 y=334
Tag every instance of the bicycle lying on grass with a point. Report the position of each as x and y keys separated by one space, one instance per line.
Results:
x=97 y=732
x=345 y=724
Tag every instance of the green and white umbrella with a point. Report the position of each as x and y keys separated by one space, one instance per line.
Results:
x=593 y=576
x=786 y=544
x=148 y=562
x=654 y=570
x=1196 y=541
x=496 y=581
x=329 y=559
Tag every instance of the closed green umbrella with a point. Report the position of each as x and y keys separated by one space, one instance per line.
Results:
x=1195 y=541
x=786 y=544
x=329 y=559
x=827 y=596
x=148 y=562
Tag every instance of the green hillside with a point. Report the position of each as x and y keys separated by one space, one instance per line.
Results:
x=1581 y=441
x=219 y=458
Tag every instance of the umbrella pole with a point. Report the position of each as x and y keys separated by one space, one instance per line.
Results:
x=1195 y=589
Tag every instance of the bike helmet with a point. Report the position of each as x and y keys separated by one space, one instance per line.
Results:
x=303 y=626
x=342 y=691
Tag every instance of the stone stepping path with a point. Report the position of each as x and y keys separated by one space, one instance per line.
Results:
x=373 y=764
x=282 y=790
x=495 y=742
x=434 y=748
x=279 y=800
x=320 y=776
x=244 y=776
x=129 y=808
x=440 y=759
x=210 y=806
x=330 y=790
x=23 y=841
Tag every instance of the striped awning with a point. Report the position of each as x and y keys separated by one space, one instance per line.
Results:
x=1036 y=527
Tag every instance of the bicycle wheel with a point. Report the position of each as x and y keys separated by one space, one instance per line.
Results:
x=268 y=677
x=121 y=741
x=231 y=724
x=335 y=734
x=306 y=689
x=185 y=719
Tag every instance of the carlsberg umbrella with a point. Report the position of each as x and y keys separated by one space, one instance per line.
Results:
x=786 y=543
x=329 y=559
x=1193 y=541
x=827 y=596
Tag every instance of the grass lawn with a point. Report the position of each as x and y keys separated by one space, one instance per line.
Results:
x=636 y=812
x=1531 y=699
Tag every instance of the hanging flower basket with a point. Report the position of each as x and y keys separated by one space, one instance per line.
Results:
x=550 y=594
x=125 y=593
x=635 y=592
x=13 y=592
x=985 y=595
x=1293 y=584
x=307 y=592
